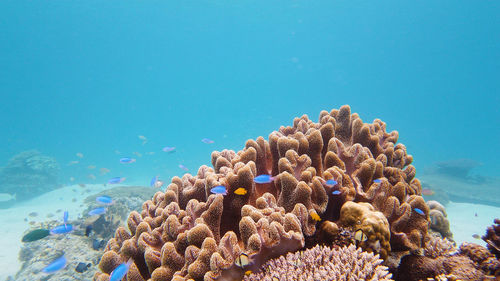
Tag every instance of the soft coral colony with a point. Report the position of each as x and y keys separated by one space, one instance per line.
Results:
x=187 y=232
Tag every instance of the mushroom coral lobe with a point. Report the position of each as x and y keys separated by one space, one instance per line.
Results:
x=188 y=233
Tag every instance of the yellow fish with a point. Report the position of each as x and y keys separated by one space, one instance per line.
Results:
x=248 y=272
x=240 y=191
x=242 y=260
x=315 y=215
x=360 y=236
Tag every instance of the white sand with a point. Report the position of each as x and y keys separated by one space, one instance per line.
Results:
x=12 y=219
x=464 y=223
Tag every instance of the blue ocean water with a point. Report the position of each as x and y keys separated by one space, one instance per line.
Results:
x=113 y=79
x=89 y=77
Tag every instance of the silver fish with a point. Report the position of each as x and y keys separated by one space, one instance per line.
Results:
x=4 y=197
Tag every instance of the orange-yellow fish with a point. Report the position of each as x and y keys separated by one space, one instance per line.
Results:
x=315 y=215
x=240 y=191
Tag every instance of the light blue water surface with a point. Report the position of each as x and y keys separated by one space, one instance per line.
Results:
x=90 y=76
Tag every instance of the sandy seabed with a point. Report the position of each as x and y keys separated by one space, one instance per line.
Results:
x=463 y=220
x=14 y=224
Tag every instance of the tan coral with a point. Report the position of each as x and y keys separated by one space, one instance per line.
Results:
x=373 y=224
x=438 y=219
x=276 y=215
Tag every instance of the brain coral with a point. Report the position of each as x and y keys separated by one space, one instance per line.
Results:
x=188 y=233
x=324 y=263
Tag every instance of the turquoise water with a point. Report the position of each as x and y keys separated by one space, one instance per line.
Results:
x=90 y=76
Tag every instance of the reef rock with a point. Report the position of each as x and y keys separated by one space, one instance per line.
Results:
x=29 y=174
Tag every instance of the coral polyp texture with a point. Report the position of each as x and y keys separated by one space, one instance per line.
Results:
x=188 y=233
x=324 y=263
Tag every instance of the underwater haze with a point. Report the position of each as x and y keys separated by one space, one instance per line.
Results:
x=87 y=83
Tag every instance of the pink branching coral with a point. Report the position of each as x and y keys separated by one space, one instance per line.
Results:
x=187 y=232
x=323 y=263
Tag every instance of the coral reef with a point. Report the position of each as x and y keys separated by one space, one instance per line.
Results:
x=373 y=224
x=442 y=260
x=36 y=255
x=126 y=199
x=77 y=247
x=486 y=261
x=323 y=263
x=438 y=219
x=188 y=233
x=29 y=174
x=437 y=247
x=492 y=238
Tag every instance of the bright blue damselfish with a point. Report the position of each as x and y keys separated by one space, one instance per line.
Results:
x=153 y=181
x=220 y=189
x=330 y=183
x=104 y=199
x=97 y=211
x=62 y=229
x=336 y=192
x=120 y=271
x=377 y=180
x=418 y=211
x=56 y=265
x=116 y=180
x=127 y=160
x=65 y=217
x=263 y=179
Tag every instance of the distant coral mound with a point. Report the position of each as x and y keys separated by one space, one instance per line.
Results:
x=29 y=174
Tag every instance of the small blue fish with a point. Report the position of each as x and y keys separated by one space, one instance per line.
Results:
x=97 y=211
x=169 y=149
x=116 y=180
x=220 y=189
x=127 y=160
x=65 y=217
x=104 y=200
x=377 y=180
x=330 y=183
x=62 y=229
x=120 y=271
x=418 y=211
x=263 y=179
x=205 y=140
x=56 y=265
x=183 y=167
x=336 y=192
x=153 y=181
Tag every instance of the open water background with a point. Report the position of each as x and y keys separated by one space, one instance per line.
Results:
x=91 y=76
